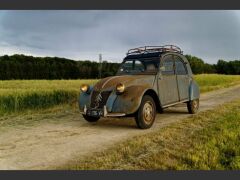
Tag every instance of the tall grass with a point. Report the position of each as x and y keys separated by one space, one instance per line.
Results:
x=35 y=99
x=12 y=85
x=18 y=95
x=210 y=82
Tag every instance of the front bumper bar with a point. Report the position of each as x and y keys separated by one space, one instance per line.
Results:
x=105 y=112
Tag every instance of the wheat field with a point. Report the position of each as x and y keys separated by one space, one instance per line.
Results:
x=18 y=95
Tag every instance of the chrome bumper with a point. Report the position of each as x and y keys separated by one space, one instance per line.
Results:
x=105 y=113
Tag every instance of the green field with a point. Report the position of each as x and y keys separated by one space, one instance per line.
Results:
x=210 y=82
x=207 y=141
x=19 y=95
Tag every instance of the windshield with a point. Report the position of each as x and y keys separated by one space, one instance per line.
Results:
x=139 y=66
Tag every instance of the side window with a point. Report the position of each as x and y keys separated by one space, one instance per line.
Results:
x=180 y=66
x=138 y=66
x=168 y=65
x=127 y=66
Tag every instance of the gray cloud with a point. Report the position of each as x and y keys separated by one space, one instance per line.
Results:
x=210 y=35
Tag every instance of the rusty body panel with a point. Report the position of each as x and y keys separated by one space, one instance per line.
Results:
x=112 y=81
x=166 y=89
x=130 y=102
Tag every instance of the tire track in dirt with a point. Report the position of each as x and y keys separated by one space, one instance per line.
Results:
x=51 y=144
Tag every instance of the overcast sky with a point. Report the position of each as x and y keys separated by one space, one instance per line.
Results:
x=80 y=35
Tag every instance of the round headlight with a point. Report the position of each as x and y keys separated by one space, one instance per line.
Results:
x=84 y=88
x=120 y=88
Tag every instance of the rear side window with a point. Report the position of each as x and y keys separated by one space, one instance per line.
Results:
x=168 y=65
x=180 y=66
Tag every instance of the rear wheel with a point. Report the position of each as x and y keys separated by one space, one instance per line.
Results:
x=91 y=118
x=193 y=106
x=146 y=113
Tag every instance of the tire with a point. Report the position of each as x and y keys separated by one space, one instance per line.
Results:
x=146 y=113
x=91 y=118
x=193 y=106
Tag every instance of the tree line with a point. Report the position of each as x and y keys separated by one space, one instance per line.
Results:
x=222 y=67
x=29 y=67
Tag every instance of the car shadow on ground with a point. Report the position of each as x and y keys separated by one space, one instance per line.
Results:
x=129 y=122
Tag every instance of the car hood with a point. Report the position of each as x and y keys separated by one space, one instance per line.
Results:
x=110 y=83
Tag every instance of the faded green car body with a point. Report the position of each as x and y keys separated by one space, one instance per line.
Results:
x=163 y=89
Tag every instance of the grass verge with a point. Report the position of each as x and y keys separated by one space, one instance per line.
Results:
x=208 y=140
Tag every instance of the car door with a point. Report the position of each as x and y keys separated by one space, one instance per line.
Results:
x=182 y=78
x=167 y=81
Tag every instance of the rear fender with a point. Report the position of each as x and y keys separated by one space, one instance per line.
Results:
x=194 y=92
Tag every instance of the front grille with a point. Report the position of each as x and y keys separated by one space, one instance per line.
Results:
x=99 y=102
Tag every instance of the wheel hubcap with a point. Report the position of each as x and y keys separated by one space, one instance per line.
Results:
x=148 y=112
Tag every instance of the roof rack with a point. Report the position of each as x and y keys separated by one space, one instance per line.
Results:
x=152 y=49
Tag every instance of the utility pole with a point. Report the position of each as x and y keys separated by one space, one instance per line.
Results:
x=100 y=66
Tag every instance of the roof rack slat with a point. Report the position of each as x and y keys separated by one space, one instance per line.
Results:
x=152 y=49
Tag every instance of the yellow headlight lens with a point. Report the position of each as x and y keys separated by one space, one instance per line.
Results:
x=120 y=88
x=84 y=88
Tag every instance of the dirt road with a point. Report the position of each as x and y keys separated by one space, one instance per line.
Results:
x=51 y=144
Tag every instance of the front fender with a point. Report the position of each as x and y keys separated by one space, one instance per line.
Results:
x=194 y=92
x=85 y=99
x=130 y=100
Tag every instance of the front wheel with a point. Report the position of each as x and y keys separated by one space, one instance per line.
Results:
x=193 y=106
x=146 y=113
x=90 y=118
